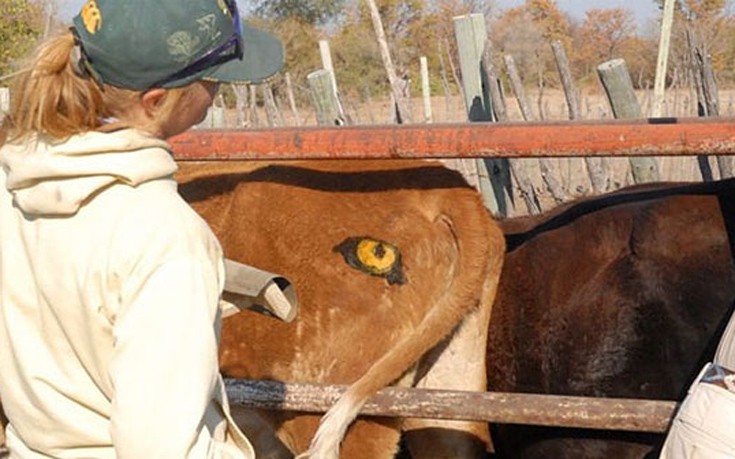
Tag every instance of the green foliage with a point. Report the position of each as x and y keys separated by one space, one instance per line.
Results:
x=21 y=24
x=301 y=44
x=412 y=30
x=357 y=62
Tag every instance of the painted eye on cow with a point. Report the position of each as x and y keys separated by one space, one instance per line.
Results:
x=374 y=257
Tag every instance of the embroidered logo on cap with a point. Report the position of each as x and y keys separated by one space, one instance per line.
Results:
x=91 y=16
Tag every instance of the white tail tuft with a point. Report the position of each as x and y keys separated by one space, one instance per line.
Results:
x=333 y=427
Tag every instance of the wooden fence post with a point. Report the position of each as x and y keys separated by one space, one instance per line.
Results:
x=667 y=21
x=425 y=89
x=215 y=118
x=456 y=77
x=708 y=103
x=241 y=101
x=493 y=173
x=292 y=100
x=556 y=190
x=493 y=84
x=403 y=109
x=624 y=104
x=598 y=169
x=271 y=109
x=326 y=105
x=254 y=118
x=326 y=56
x=519 y=167
x=518 y=90
x=445 y=84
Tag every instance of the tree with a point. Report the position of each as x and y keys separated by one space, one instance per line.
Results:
x=705 y=24
x=412 y=30
x=604 y=31
x=526 y=32
x=301 y=44
x=21 y=25
x=606 y=34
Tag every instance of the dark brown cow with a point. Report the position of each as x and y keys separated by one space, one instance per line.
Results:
x=389 y=259
x=622 y=295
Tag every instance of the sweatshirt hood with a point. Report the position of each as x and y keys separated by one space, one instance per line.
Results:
x=57 y=178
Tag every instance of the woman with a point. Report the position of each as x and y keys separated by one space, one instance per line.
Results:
x=109 y=281
x=704 y=426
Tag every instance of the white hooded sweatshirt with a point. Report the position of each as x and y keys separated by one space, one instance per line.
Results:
x=109 y=305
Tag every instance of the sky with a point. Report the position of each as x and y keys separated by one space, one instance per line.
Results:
x=643 y=10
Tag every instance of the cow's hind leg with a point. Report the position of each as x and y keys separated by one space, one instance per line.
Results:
x=456 y=364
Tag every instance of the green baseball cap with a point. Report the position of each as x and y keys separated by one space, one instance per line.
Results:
x=140 y=44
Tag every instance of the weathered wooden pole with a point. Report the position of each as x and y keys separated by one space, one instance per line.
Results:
x=403 y=108
x=254 y=118
x=493 y=84
x=497 y=407
x=667 y=21
x=618 y=86
x=598 y=169
x=554 y=187
x=518 y=89
x=708 y=101
x=292 y=100
x=457 y=78
x=326 y=105
x=326 y=56
x=519 y=166
x=567 y=82
x=241 y=101
x=445 y=82
x=271 y=109
x=494 y=173
x=215 y=118
x=426 y=89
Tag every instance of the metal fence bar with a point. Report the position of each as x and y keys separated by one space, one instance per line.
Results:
x=652 y=137
x=505 y=408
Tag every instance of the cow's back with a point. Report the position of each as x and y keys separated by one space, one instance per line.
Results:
x=617 y=296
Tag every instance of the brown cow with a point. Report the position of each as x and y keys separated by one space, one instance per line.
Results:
x=389 y=259
x=623 y=295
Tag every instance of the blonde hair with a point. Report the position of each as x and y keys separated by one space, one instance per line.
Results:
x=52 y=98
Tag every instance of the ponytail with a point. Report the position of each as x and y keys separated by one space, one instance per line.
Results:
x=55 y=96
x=52 y=98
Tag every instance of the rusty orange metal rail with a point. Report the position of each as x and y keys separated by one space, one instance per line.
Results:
x=646 y=137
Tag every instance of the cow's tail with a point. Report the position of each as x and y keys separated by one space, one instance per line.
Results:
x=480 y=248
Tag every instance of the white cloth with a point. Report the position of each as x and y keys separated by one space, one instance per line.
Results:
x=109 y=306
x=704 y=425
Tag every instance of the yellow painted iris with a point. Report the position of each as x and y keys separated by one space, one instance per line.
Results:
x=373 y=256
x=378 y=257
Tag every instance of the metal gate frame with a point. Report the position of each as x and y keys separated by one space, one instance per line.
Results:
x=646 y=137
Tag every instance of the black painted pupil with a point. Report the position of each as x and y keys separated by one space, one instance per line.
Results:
x=379 y=251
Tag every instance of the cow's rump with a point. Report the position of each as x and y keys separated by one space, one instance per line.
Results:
x=622 y=295
x=388 y=259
